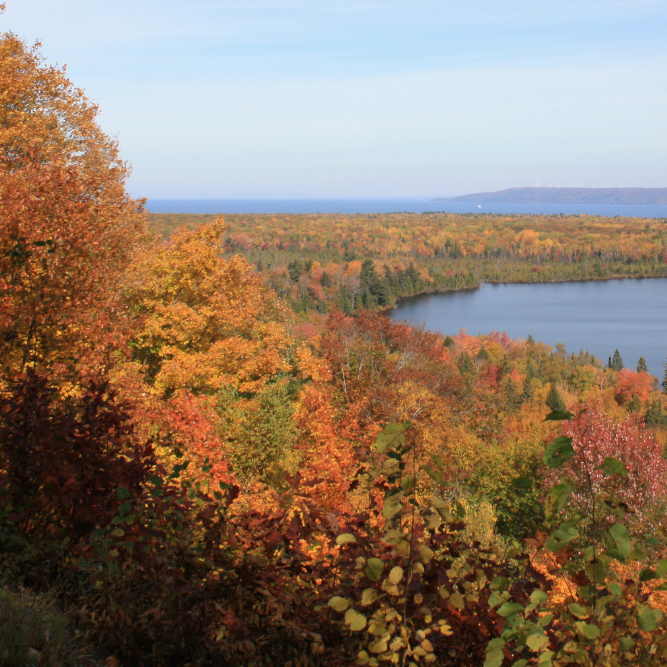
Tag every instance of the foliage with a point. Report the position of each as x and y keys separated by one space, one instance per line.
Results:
x=368 y=261
x=598 y=621
x=66 y=222
x=200 y=477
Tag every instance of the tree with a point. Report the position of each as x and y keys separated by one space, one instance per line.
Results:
x=641 y=365
x=595 y=437
x=555 y=400
x=67 y=227
x=663 y=384
x=616 y=362
x=206 y=323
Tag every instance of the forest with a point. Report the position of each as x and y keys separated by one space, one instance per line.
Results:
x=352 y=262
x=211 y=454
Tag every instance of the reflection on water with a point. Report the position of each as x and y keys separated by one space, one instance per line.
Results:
x=598 y=316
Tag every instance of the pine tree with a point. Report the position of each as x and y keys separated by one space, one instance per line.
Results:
x=635 y=405
x=664 y=382
x=655 y=415
x=641 y=365
x=616 y=361
x=555 y=400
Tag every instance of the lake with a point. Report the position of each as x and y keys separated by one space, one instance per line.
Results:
x=352 y=206
x=598 y=316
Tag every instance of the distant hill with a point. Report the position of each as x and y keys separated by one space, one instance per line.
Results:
x=567 y=196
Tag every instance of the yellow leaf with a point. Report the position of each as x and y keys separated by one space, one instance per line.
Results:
x=369 y=596
x=457 y=600
x=425 y=554
x=379 y=646
x=396 y=574
x=355 y=620
x=339 y=603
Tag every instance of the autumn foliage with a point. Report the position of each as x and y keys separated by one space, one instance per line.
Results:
x=210 y=460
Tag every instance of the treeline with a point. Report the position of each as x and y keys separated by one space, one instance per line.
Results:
x=368 y=261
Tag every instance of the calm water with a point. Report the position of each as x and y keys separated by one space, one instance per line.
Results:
x=351 y=206
x=598 y=316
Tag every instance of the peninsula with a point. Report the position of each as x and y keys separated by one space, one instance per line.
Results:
x=566 y=196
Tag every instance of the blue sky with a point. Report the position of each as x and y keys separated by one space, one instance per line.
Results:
x=343 y=98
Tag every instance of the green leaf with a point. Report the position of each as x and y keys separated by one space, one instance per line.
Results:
x=538 y=597
x=619 y=534
x=522 y=482
x=648 y=618
x=499 y=584
x=613 y=466
x=558 y=451
x=510 y=609
x=578 y=611
x=590 y=631
x=408 y=483
x=537 y=642
x=374 y=568
x=124 y=508
x=558 y=415
x=520 y=663
x=435 y=475
x=647 y=574
x=391 y=434
x=626 y=643
x=345 y=538
x=661 y=568
x=392 y=505
x=494 y=658
x=122 y=493
x=558 y=498
x=560 y=537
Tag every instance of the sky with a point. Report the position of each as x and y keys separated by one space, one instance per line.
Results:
x=288 y=99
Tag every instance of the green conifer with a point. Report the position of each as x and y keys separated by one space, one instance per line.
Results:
x=555 y=400
x=641 y=365
x=616 y=361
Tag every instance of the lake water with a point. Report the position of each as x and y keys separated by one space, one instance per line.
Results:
x=351 y=206
x=598 y=316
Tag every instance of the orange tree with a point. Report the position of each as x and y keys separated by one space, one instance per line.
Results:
x=67 y=226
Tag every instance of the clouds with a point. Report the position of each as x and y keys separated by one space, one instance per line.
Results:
x=320 y=98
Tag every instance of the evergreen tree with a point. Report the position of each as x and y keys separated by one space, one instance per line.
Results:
x=664 y=382
x=555 y=400
x=655 y=415
x=616 y=362
x=635 y=405
x=641 y=365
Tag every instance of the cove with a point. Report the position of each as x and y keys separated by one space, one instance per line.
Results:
x=598 y=316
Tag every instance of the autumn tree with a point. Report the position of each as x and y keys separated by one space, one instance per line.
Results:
x=67 y=226
x=205 y=323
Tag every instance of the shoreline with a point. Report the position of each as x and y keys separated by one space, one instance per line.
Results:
x=517 y=282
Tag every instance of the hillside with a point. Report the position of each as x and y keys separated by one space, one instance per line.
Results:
x=567 y=196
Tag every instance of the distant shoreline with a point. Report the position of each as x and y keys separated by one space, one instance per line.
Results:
x=558 y=195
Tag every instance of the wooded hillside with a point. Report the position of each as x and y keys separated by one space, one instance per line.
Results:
x=192 y=475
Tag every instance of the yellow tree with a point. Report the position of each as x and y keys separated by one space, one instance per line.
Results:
x=206 y=323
